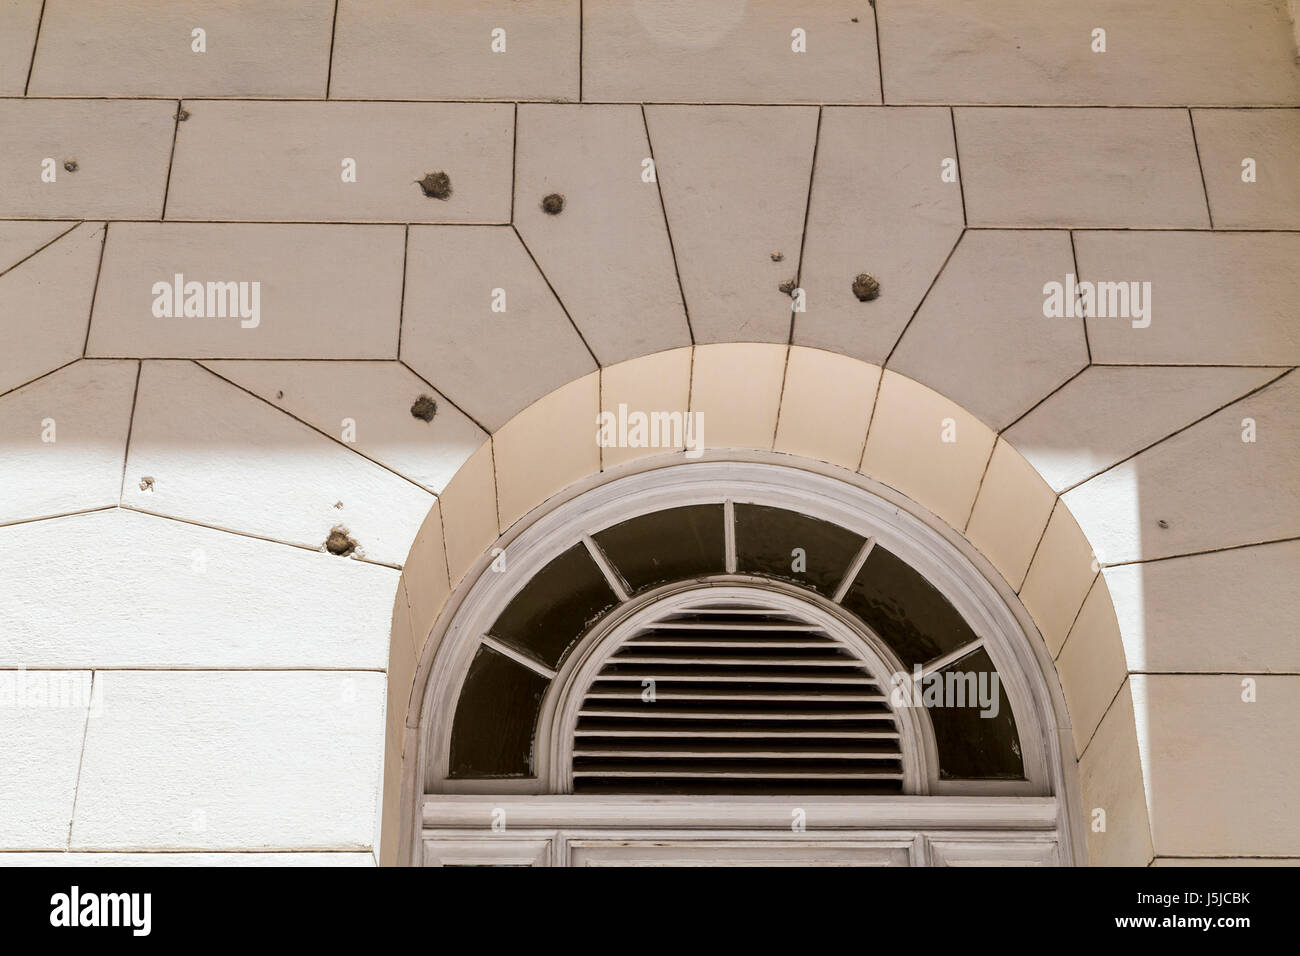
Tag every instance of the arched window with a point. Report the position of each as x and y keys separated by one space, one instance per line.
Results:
x=787 y=664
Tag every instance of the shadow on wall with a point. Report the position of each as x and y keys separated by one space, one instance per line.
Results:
x=1185 y=487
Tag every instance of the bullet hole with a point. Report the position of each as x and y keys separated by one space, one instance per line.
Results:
x=340 y=542
x=436 y=185
x=1162 y=523
x=146 y=484
x=424 y=408
x=182 y=116
x=866 y=287
x=71 y=165
x=778 y=256
x=788 y=286
x=338 y=504
x=279 y=395
x=553 y=204
x=854 y=19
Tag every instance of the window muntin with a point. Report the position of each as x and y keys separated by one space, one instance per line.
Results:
x=908 y=613
x=555 y=608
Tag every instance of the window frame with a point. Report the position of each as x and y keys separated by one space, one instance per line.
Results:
x=863 y=506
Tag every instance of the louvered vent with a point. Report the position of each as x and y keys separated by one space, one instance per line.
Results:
x=744 y=701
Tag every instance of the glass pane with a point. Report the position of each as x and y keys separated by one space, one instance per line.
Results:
x=667 y=546
x=766 y=539
x=905 y=609
x=496 y=718
x=973 y=726
x=556 y=607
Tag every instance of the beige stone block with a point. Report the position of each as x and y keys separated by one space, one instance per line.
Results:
x=1010 y=513
x=120 y=150
x=1215 y=298
x=1091 y=664
x=735 y=188
x=1220 y=772
x=424 y=578
x=1226 y=611
x=1210 y=488
x=45 y=306
x=324 y=291
x=1226 y=861
x=878 y=207
x=491 y=363
x=1110 y=775
x=18 y=20
x=276 y=49
x=1059 y=577
x=652 y=383
x=1226 y=139
x=443 y=50
x=469 y=512
x=980 y=336
x=20 y=240
x=402 y=663
x=736 y=393
x=1040 y=52
x=1108 y=413
x=607 y=254
x=63 y=441
x=826 y=405
x=285 y=161
x=367 y=405
x=390 y=799
x=729 y=51
x=1134 y=168
x=906 y=448
x=221 y=457
x=547 y=447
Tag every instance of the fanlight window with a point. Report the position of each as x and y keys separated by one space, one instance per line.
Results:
x=729 y=647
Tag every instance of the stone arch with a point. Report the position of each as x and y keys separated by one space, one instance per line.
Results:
x=825 y=412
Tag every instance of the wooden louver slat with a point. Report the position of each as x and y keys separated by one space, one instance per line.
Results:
x=735 y=700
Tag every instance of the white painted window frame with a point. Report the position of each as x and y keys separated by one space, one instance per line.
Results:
x=861 y=506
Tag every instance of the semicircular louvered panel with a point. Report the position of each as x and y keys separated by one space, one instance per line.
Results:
x=731 y=700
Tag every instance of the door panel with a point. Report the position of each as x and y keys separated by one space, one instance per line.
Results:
x=994 y=853
x=487 y=851
x=734 y=853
